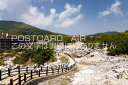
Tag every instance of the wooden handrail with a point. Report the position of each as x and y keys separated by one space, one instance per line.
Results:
x=23 y=78
x=28 y=73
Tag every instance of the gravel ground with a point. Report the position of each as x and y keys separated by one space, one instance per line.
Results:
x=61 y=80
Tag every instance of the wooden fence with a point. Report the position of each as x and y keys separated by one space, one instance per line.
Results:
x=28 y=73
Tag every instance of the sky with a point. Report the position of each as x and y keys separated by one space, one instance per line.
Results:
x=73 y=17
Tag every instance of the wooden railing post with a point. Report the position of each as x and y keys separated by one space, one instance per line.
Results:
x=62 y=68
x=65 y=67
x=58 y=69
x=8 y=71
x=31 y=75
x=18 y=69
x=52 y=70
x=0 y=75
x=41 y=68
x=11 y=81
x=19 y=76
x=39 y=73
x=25 y=77
x=26 y=69
x=46 y=70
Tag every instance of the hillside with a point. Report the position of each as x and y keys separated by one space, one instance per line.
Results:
x=117 y=42
x=105 y=33
x=13 y=27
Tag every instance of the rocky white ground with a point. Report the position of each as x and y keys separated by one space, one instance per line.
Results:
x=101 y=69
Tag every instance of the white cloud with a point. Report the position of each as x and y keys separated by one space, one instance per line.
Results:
x=24 y=11
x=114 y=9
x=68 y=22
x=69 y=11
x=38 y=19
x=53 y=11
x=64 y=19
x=104 y=13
